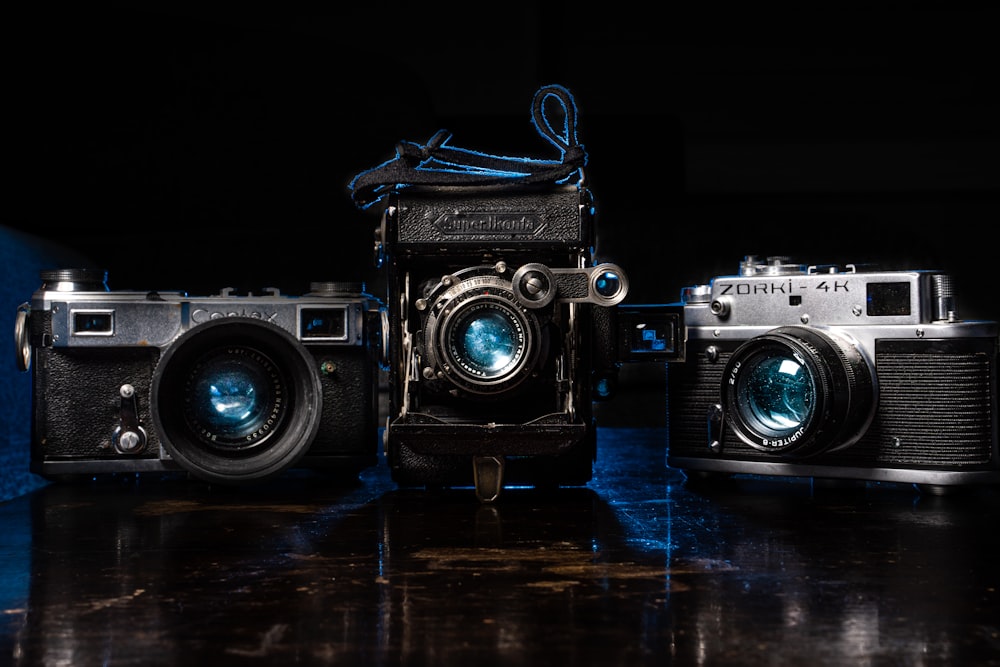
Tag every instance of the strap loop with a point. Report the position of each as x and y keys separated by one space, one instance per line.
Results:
x=437 y=163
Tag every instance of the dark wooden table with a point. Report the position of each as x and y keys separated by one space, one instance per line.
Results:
x=636 y=568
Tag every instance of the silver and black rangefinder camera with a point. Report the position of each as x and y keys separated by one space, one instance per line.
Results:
x=227 y=388
x=834 y=373
x=493 y=300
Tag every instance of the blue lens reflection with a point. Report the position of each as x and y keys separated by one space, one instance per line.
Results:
x=779 y=393
x=608 y=284
x=488 y=342
x=231 y=399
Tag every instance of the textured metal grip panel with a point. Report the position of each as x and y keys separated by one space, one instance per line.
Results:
x=693 y=388
x=934 y=409
x=452 y=215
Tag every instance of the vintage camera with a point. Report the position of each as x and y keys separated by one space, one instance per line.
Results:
x=819 y=371
x=498 y=332
x=228 y=388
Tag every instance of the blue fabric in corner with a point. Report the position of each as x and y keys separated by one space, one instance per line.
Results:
x=22 y=256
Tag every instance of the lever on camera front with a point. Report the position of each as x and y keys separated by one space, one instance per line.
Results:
x=129 y=437
x=487 y=474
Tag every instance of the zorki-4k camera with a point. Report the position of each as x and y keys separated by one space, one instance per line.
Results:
x=830 y=372
x=228 y=388
x=495 y=324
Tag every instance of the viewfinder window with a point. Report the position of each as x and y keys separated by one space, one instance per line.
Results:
x=651 y=340
x=93 y=322
x=323 y=323
x=888 y=299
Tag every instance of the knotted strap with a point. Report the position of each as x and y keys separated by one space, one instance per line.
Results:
x=437 y=163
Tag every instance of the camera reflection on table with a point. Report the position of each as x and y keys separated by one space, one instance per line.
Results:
x=638 y=565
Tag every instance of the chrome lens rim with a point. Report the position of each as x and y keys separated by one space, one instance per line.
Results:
x=480 y=338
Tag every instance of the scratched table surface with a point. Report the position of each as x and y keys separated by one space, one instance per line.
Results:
x=638 y=567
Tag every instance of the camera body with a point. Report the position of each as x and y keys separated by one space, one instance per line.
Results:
x=834 y=373
x=498 y=325
x=228 y=388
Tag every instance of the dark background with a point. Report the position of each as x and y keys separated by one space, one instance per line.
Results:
x=198 y=149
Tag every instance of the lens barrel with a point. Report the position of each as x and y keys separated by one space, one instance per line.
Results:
x=480 y=338
x=798 y=391
x=236 y=400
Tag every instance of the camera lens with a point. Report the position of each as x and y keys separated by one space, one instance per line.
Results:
x=480 y=338
x=486 y=340
x=232 y=397
x=778 y=393
x=798 y=391
x=235 y=400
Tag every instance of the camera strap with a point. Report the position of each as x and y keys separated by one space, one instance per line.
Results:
x=437 y=163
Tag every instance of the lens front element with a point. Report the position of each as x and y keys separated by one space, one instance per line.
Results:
x=233 y=398
x=486 y=340
x=777 y=394
x=799 y=391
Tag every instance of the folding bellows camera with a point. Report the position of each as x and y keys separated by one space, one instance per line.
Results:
x=492 y=335
x=503 y=327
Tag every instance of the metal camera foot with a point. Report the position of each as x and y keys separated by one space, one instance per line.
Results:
x=487 y=472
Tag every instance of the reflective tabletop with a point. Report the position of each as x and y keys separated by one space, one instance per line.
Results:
x=638 y=567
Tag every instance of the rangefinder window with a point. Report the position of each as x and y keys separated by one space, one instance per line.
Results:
x=887 y=299
x=93 y=322
x=323 y=323
x=609 y=285
x=650 y=334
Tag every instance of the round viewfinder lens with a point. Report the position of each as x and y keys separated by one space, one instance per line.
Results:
x=608 y=284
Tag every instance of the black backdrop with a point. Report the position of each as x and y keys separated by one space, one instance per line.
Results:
x=198 y=149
